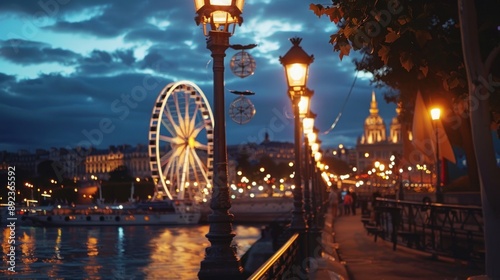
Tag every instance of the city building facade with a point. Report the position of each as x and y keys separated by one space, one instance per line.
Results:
x=375 y=144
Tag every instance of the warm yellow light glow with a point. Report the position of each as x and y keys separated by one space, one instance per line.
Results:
x=218 y=15
x=220 y=2
x=304 y=105
x=312 y=138
x=367 y=155
x=296 y=74
x=377 y=164
x=221 y=17
x=317 y=156
x=308 y=124
x=314 y=148
x=198 y=4
x=435 y=113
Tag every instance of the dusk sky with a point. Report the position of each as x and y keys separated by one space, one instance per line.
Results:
x=65 y=65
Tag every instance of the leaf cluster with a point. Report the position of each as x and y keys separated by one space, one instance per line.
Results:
x=412 y=46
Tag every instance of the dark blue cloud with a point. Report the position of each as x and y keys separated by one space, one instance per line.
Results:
x=102 y=62
x=29 y=52
x=161 y=44
x=4 y=78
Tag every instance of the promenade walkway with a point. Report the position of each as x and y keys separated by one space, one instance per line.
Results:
x=358 y=257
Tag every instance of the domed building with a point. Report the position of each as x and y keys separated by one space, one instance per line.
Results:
x=374 y=145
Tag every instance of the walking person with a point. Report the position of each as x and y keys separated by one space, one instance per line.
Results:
x=340 y=197
x=347 y=203
x=334 y=203
x=354 y=202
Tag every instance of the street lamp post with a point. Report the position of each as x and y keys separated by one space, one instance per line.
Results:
x=312 y=146
x=435 y=115
x=317 y=198
x=219 y=19
x=296 y=63
x=308 y=126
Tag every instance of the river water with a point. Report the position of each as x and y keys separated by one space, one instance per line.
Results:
x=131 y=252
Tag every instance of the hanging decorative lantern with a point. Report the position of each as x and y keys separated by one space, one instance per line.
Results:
x=242 y=64
x=241 y=110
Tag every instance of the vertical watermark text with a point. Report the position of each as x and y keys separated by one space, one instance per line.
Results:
x=11 y=218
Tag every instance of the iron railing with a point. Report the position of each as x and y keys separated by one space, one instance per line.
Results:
x=281 y=264
x=441 y=229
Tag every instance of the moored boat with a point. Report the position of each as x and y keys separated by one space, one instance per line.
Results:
x=146 y=213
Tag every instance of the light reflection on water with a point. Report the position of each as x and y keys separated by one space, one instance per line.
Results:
x=133 y=252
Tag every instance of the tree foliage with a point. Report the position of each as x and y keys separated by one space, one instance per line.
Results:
x=412 y=46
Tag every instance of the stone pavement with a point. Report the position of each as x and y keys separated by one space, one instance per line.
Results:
x=358 y=257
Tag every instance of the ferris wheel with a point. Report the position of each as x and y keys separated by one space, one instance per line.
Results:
x=181 y=143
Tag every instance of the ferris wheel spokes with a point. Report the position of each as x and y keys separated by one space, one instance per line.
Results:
x=181 y=142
